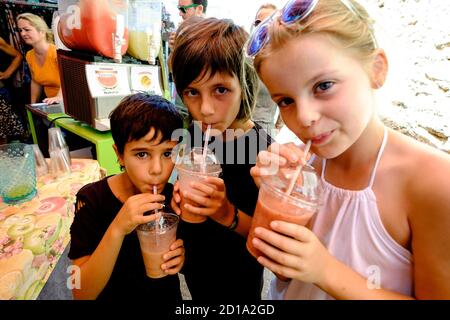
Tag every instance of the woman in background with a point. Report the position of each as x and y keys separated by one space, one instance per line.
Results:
x=41 y=59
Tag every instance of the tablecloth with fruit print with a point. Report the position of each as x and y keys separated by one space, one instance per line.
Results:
x=34 y=234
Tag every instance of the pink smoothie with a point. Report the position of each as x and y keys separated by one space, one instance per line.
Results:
x=153 y=261
x=191 y=171
x=272 y=208
x=190 y=217
x=155 y=239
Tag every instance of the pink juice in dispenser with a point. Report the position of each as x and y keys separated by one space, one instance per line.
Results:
x=94 y=26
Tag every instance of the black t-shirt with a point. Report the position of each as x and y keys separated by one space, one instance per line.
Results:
x=218 y=266
x=128 y=279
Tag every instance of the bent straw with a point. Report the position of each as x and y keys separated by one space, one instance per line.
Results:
x=205 y=148
x=299 y=169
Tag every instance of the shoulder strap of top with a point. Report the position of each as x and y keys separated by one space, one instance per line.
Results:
x=324 y=164
x=374 y=170
x=380 y=153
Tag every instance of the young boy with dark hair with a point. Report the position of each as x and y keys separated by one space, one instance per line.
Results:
x=104 y=243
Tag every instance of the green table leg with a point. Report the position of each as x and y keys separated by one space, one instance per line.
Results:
x=32 y=128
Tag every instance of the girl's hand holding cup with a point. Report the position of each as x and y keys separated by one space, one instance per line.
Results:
x=277 y=156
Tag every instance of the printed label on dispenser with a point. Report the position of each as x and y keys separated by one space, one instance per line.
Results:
x=146 y=78
x=107 y=80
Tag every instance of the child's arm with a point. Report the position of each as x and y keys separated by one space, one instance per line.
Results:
x=9 y=50
x=96 y=269
x=429 y=220
x=295 y=252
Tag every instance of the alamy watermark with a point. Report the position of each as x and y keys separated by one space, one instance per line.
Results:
x=232 y=146
x=373 y=277
x=74 y=280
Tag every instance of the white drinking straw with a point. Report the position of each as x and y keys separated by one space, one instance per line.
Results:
x=155 y=191
x=299 y=169
x=205 y=148
x=158 y=216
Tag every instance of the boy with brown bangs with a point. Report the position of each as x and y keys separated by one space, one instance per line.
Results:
x=104 y=242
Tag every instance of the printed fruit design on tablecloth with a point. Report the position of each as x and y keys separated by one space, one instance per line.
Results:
x=33 y=282
x=77 y=165
x=49 y=190
x=10 y=283
x=51 y=204
x=19 y=226
x=34 y=290
x=47 y=229
x=29 y=207
x=13 y=271
x=9 y=210
x=9 y=246
x=69 y=188
x=2 y=204
x=19 y=218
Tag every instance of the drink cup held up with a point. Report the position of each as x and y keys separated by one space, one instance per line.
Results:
x=192 y=168
x=155 y=239
x=275 y=203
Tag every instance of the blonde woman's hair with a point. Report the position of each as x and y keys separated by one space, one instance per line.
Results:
x=346 y=23
x=38 y=23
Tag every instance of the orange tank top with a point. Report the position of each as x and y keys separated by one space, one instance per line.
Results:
x=46 y=75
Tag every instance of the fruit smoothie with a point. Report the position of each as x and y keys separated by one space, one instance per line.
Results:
x=192 y=169
x=185 y=216
x=274 y=204
x=155 y=239
x=185 y=178
x=153 y=261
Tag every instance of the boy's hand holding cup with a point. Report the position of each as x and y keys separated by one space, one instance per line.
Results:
x=132 y=213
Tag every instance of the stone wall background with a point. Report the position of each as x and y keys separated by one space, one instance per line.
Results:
x=416 y=97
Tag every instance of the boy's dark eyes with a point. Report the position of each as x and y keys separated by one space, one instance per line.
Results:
x=221 y=90
x=141 y=154
x=190 y=92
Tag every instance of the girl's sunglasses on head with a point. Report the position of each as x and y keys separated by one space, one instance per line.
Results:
x=183 y=9
x=293 y=11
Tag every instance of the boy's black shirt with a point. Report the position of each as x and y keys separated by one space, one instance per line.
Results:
x=218 y=266
x=96 y=208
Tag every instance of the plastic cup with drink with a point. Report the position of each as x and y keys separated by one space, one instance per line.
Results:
x=196 y=166
x=293 y=195
x=155 y=238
